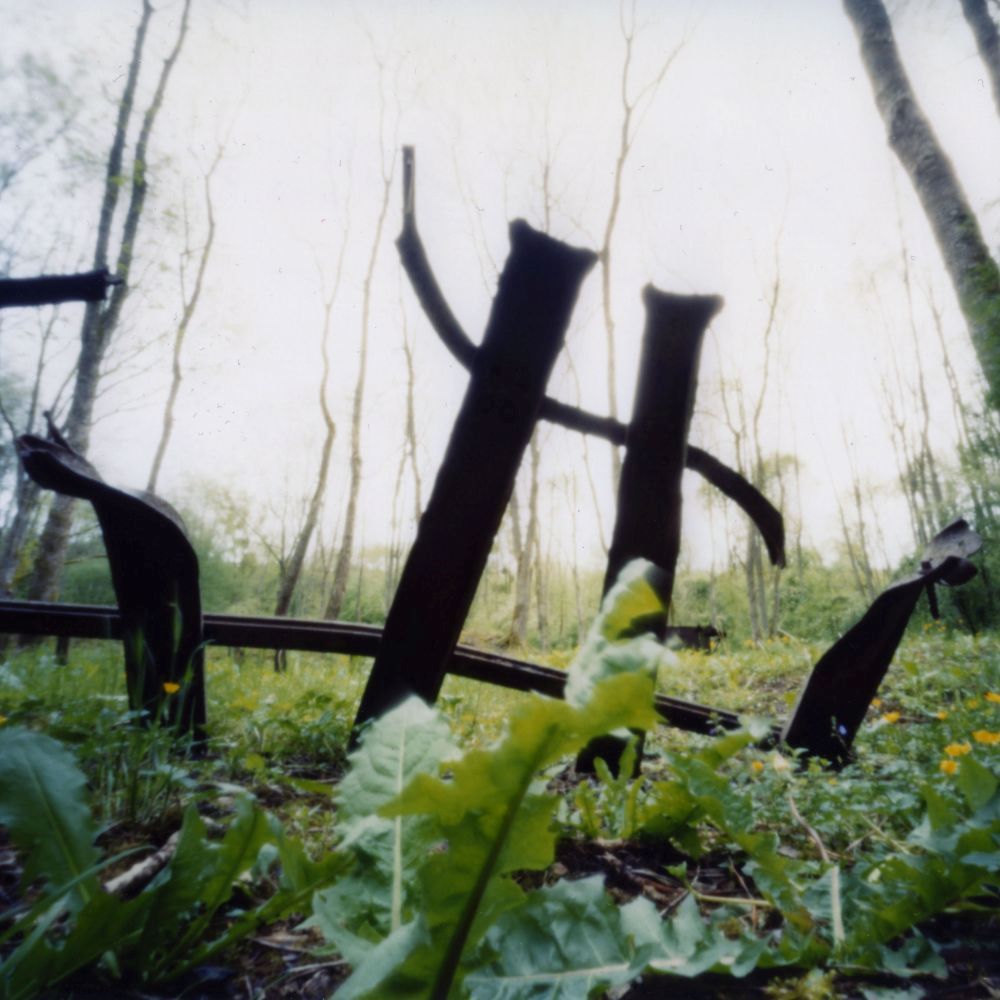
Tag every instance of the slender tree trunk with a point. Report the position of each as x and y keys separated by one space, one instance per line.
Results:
x=987 y=41
x=974 y=273
x=187 y=314
x=101 y=319
x=293 y=567
x=27 y=493
x=523 y=544
x=342 y=568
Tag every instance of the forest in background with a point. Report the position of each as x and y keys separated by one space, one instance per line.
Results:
x=302 y=546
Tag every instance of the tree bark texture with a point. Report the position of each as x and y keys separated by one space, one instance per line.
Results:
x=974 y=273
x=987 y=37
x=342 y=567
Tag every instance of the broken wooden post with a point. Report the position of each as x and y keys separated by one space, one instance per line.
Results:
x=509 y=373
x=835 y=698
x=648 y=522
x=154 y=571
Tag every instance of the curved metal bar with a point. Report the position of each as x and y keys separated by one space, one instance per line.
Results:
x=154 y=571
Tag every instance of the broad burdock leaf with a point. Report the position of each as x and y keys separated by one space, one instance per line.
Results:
x=379 y=896
x=492 y=817
x=564 y=943
x=411 y=739
x=43 y=806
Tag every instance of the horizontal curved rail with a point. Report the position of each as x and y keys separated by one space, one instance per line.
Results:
x=90 y=621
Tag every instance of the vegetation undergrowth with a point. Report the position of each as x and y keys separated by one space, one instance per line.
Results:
x=419 y=873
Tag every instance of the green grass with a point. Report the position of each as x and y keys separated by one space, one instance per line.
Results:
x=283 y=738
x=271 y=730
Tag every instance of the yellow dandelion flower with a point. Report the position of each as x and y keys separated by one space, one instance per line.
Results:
x=942 y=715
x=756 y=766
x=985 y=736
x=876 y=702
x=948 y=766
x=972 y=703
x=170 y=687
x=891 y=717
x=957 y=749
x=992 y=696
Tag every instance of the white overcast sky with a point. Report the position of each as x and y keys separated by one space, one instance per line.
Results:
x=761 y=145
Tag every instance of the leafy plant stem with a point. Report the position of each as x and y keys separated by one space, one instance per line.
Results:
x=397 y=858
x=453 y=954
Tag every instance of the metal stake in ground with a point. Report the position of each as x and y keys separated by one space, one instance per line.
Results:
x=525 y=332
x=648 y=523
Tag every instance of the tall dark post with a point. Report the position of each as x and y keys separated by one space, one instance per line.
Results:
x=510 y=370
x=648 y=523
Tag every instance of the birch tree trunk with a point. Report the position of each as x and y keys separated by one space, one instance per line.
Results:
x=987 y=41
x=342 y=568
x=101 y=318
x=974 y=273
x=190 y=304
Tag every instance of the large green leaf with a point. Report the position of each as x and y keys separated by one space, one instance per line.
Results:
x=43 y=806
x=492 y=819
x=376 y=899
x=571 y=940
x=564 y=943
x=104 y=924
x=411 y=739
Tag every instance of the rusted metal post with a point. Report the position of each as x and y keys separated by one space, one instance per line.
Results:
x=835 y=698
x=648 y=522
x=154 y=570
x=525 y=332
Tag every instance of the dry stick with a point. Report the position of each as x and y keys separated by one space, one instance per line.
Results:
x=414 y=260
x=143 y=871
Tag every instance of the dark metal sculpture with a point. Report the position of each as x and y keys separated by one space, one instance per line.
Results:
x=531 y=311
x=88 y=621
x=840 y=688
x=51 y=289
x=649 y=502
x=154 y=570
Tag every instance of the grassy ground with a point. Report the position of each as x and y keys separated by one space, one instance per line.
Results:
x=282 y=736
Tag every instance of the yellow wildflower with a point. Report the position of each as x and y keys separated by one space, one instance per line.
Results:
x=3 y=719
x=170 y=687
x=877 y=702
x=957 y=749
x=948 y=766
x=993 y=696
x=985 y=736
x=972 y=703
x=756 y=766
x=891 y=717
x=942 y=715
